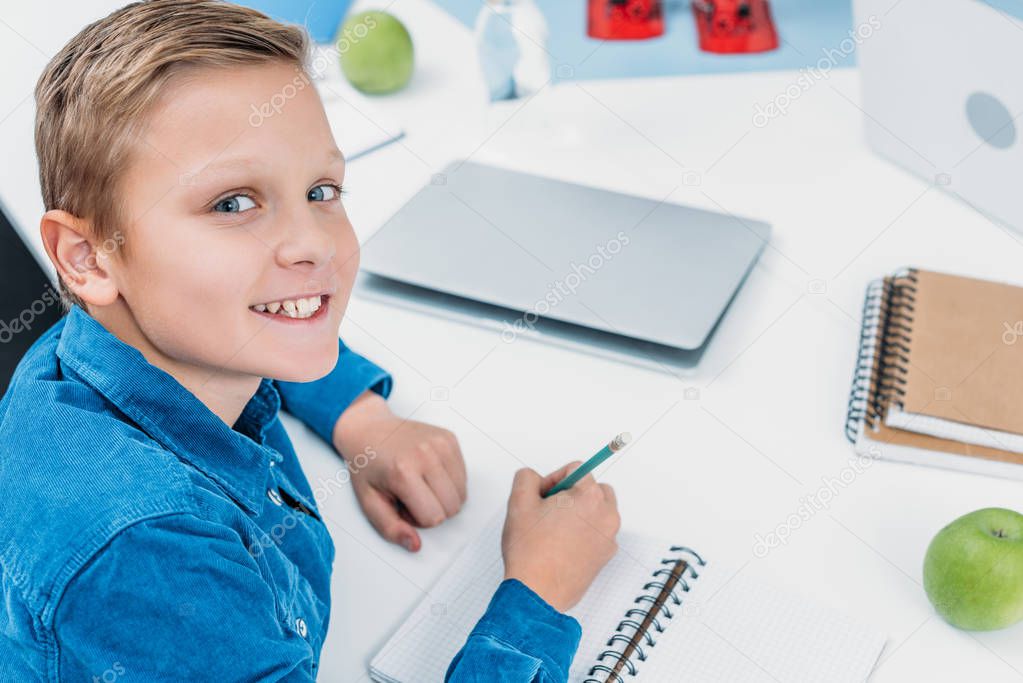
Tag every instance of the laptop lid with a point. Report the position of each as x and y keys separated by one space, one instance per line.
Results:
x=617 y=264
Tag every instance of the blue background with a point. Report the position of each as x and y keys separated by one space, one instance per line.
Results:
x=806 y=28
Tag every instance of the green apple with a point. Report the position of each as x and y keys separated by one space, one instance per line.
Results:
x=376 y=53
x=973 y=570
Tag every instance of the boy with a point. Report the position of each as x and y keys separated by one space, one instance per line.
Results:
x=145 y=475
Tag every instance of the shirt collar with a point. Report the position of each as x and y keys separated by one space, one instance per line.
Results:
x=236 y=459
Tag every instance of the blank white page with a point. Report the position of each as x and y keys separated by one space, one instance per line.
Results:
x=730 y=627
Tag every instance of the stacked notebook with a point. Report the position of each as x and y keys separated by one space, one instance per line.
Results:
x=939 y=376
x=658 y=612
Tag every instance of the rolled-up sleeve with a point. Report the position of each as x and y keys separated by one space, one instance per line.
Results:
x=320 y=403
x=175 y=598
x=519 y=639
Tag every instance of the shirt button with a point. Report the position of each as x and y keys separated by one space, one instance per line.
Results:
x=300 y=627
x=274 y=496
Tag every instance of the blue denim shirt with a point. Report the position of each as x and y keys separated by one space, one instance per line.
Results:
x=142 y=537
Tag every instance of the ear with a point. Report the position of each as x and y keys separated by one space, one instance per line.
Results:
x=83 y=268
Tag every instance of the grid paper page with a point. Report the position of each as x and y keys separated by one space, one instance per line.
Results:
x=731 y=627
x=734 y=627
x=424 y=646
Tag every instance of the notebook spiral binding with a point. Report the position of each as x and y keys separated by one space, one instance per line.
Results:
x=882 y=364
x=663 y=588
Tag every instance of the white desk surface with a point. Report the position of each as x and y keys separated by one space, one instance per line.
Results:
x=766 y=429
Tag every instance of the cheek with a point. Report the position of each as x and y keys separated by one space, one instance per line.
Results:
x=191 y=301
x=347 y=256
x=208 y=278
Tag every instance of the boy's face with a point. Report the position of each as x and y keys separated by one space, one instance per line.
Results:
x=233 y=215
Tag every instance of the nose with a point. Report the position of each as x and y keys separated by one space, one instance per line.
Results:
x=305 y=238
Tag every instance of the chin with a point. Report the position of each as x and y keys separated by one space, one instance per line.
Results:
x=314 y=366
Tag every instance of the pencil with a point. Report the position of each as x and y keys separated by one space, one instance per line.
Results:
x=616 y=444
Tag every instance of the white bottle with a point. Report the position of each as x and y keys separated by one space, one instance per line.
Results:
x=511 y=39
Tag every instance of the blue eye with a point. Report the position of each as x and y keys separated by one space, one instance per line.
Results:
x=234 y=204
x=324 y=193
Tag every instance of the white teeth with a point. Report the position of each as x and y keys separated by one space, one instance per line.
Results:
x=292 y=308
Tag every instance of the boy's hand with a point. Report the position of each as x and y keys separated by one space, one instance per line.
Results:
x=405 y=473
x=558 y=545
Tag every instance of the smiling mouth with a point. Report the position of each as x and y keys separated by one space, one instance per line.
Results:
x=305 y=308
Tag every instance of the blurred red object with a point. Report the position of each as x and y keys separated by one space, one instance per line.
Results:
x=730 y=26
x=625 y=19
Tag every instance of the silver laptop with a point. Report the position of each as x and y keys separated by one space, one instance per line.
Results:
x=608 y=273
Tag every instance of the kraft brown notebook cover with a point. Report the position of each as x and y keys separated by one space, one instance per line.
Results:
x=939 y=377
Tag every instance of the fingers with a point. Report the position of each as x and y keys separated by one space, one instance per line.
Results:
x=609 y=495
x=444 y=489
x=554 y=477
x=438 y=461
x=611 y=501
x=563 y=471
x=385 y=518
x=421 y=501
x=429 y=480
x=527 y=482
x=454 y=463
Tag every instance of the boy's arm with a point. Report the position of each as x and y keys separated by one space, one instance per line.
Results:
x=520 y=638
x=319 y=404
x=177 y=597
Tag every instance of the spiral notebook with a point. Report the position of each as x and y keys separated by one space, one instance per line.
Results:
x=657 y=612
x=939 y=374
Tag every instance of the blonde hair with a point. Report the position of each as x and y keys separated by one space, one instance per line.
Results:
x=94 y=95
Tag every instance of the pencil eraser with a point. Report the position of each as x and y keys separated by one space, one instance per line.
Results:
x=621 y=441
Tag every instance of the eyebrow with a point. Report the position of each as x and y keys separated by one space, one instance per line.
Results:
x=333 y=156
